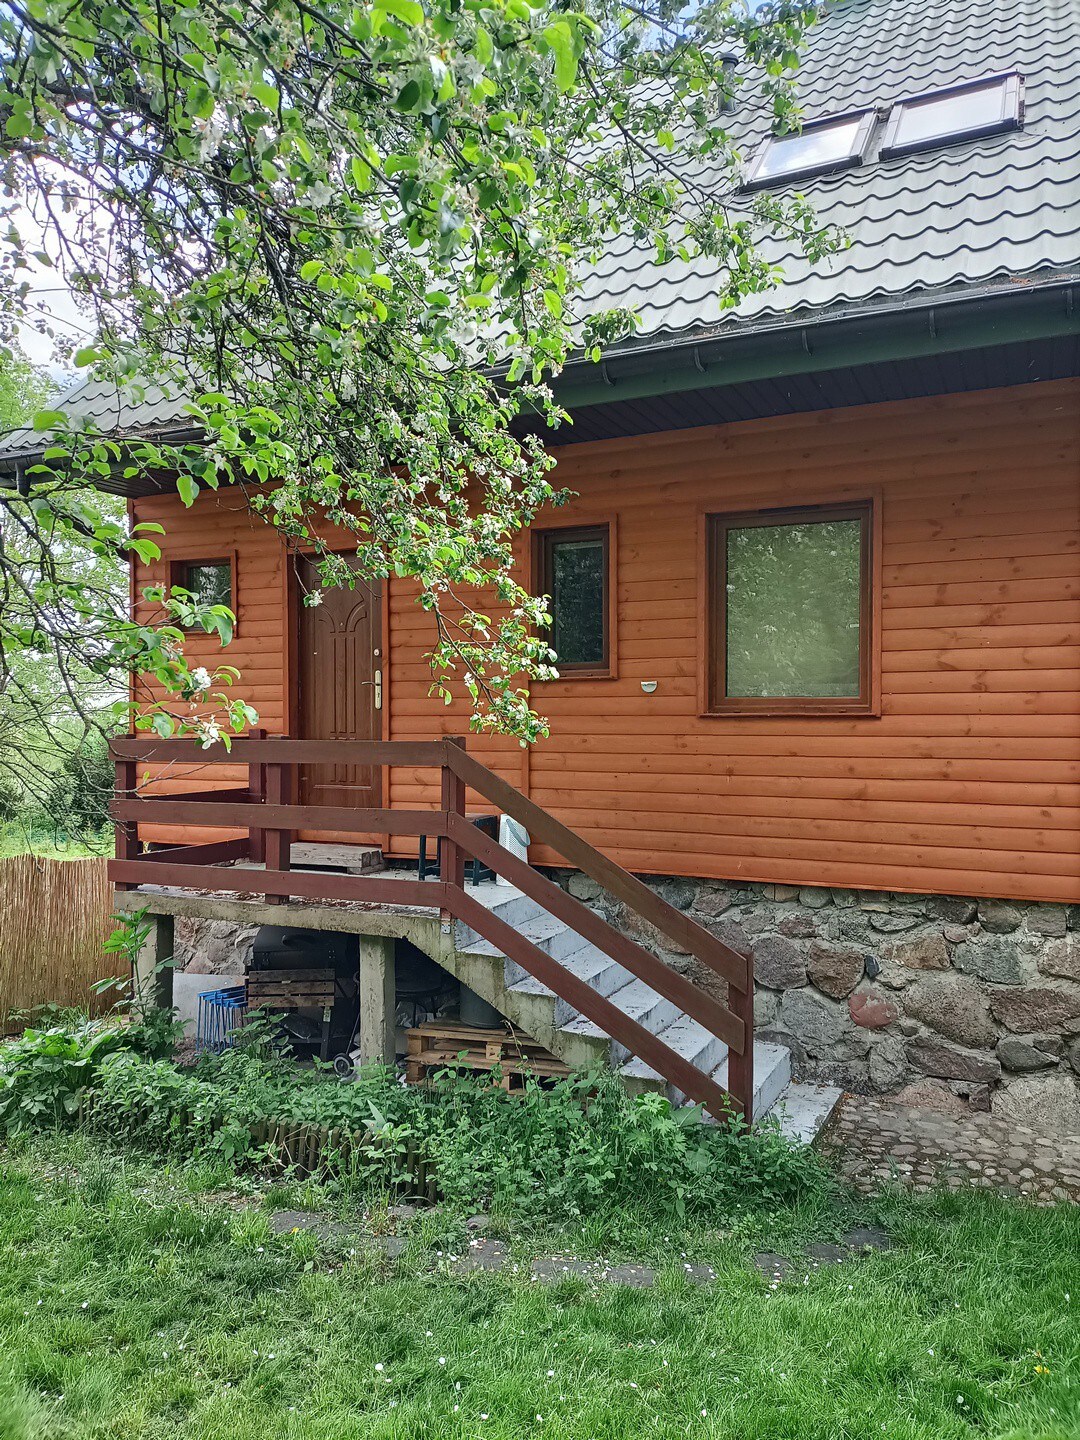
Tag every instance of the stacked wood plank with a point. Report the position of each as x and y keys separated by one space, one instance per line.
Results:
x=290 y=989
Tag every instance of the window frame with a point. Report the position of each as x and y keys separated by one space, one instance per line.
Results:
x=180 y=564
x=754 y=180
x=1011 y=117
x=543 y=538
x=716 y=526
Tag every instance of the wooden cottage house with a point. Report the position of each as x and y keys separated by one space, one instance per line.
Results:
x=817 y=603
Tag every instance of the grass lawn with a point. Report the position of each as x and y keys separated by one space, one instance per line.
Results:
x=16 y=839
x=136 y=1302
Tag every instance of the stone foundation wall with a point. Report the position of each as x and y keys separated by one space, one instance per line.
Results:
x=949 y=1002
x=212 y=947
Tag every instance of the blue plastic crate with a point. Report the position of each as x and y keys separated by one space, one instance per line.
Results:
x=219 y=1016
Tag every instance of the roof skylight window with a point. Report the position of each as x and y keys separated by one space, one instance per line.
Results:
x=819 y=148
x=962 y=112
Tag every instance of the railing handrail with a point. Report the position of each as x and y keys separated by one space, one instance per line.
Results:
x=265 y=811
x=696 y=1003
x=617 y=1023
x=543 y=826
x=278 y=750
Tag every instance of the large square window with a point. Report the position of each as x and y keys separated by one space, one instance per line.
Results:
x=571 y=566
x=790 y=612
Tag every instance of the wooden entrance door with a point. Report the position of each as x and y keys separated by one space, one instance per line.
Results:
x=340 y=683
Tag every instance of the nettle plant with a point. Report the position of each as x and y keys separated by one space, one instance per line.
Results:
x=353 y=235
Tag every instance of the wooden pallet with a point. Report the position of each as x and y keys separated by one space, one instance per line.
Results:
x=290 y=989
x=309 y=989
x=438 y=1044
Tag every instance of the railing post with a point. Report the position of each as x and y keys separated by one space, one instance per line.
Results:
x=452 y=857
x=278 y=843
x=126 y=831
x=257 y=791
x=740 y=1078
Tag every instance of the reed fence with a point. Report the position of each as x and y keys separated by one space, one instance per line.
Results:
x=55 y=916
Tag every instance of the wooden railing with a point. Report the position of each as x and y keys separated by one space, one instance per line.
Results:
x=267 y=811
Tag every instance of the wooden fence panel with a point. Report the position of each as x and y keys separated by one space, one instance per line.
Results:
x=54 y=918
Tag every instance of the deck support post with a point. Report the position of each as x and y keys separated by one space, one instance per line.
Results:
x=378 y=1030
x=152 y=977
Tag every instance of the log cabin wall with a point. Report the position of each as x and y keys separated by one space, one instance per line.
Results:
x=968 y=782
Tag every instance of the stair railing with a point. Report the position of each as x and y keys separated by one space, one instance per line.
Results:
x=265 y=809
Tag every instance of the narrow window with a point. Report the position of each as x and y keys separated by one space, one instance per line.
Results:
x=572 y=568
x=790 y=611
x=961 y=112
x=210 y=581
x=819 y=148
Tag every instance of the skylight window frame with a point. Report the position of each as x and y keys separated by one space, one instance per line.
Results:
x=1011 y=117
x=867 y=116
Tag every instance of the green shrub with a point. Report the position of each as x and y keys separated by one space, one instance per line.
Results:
x=43 y=1073
x=579 y=1148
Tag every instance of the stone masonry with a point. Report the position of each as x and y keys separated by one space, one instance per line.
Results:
x=213 y=947
x=955 y=1004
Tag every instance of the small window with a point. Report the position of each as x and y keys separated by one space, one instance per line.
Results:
x=210 y=581
x=963 y=112
x=820 y=147
x=791 y=611
x=572 y=567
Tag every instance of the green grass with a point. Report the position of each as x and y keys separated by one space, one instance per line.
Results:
x=136 y=1302
x=17 y=839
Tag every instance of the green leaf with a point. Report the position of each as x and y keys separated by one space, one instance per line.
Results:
x=409 y=97
x=361 y=174
x=49 y=419
x=407 y=10
x=311 y=268
x=560 y=39
x=483 y=48
x=187 y=488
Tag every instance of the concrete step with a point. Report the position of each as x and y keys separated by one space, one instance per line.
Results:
x=772 y=1069
x=505 y=901
x=803 y=1111
x=576 y=1038
x=642 y=1004
x=547 y=933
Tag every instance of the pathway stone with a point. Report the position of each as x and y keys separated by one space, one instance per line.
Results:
x=551 y=1268
x=771 y=1265
x=484 y=1255
x=876 y=1141
x=824 y=1254
x=867 y=1237
x=637 y=1276
x=699 y=1274
x=291 y=1222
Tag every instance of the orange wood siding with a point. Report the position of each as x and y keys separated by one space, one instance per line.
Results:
x=968 y=782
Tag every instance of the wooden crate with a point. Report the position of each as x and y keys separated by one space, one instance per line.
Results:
x=438 y=1044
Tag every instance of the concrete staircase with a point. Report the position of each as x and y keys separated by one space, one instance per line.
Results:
x=539 y=1012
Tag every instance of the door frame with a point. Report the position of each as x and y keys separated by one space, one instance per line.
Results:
x=290 y=599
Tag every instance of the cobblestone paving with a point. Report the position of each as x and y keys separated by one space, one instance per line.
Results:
x=873 y=1141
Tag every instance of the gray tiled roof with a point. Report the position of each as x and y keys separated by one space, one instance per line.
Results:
x=977 y=214
x=138 y=410
x=983 y=214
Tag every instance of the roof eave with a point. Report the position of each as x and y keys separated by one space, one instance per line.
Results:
x=798 y=343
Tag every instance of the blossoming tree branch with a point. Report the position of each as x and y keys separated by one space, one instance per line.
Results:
x=352 y=235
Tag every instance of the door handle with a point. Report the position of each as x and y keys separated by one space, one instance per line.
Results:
x=378 y=689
